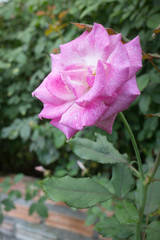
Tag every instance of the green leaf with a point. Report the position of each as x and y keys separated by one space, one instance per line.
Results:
x=153 y=231
x=32 y=208
x=15 y=193
x=6 y=184
x=126 y=212
x=4 y=65
x=153 y=21
x=142 y=81
x=42 y=210
x=42 y=199
x=59 y=138
x=48 y=154
x=18 y=178
x=21 y=58
x=1 y=216
x=61 y=173
x=25 y=132
x=92 y=7
x=111 y=228
x=122 y=180
x=100 y=151
x=8 y=204
x=40 y=46
x=90 y=219
x=30 y=193
x=144 y=103
x=93 y=214
x=76 y=192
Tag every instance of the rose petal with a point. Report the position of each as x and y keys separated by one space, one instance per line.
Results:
x=86 y=49
x=106 y=124
x=135 y=55
x=56 y=62
x=97 y=43
x=44 y=95
x=76 y=81
x=58 y=89
x=118 y=72
x=69 y=51
x=42 y=92
x=109 y=77
x=125 y=96
x=69 y=132
x=114 y=41
x=98 y=90
x=51 y=111
x=78 y=117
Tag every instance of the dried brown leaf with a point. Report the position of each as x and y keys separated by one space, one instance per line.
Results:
x=151 y=55
x=41 y=13
x=62 y=14
x=89 y=28
x=83 y=25
x=55 y=50
x=49 y=30
x=157 y=29
x=150 y=115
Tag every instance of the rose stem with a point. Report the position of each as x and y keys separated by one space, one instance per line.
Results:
x=134 y=145
x=145 y=182
x=142 y=178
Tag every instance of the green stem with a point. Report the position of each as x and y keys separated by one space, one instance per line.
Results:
x=144 y=182
x=141 y=211
x=139 y=162
x=142 y=178
x=144 y=194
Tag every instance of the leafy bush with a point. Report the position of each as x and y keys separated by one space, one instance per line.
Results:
x=7 y=196
x=30 y=31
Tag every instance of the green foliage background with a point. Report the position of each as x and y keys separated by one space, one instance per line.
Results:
x=27 y=36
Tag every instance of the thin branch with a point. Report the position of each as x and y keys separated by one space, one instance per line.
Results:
x=154 y=65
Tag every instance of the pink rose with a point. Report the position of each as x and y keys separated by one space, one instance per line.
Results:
x=92 y=80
